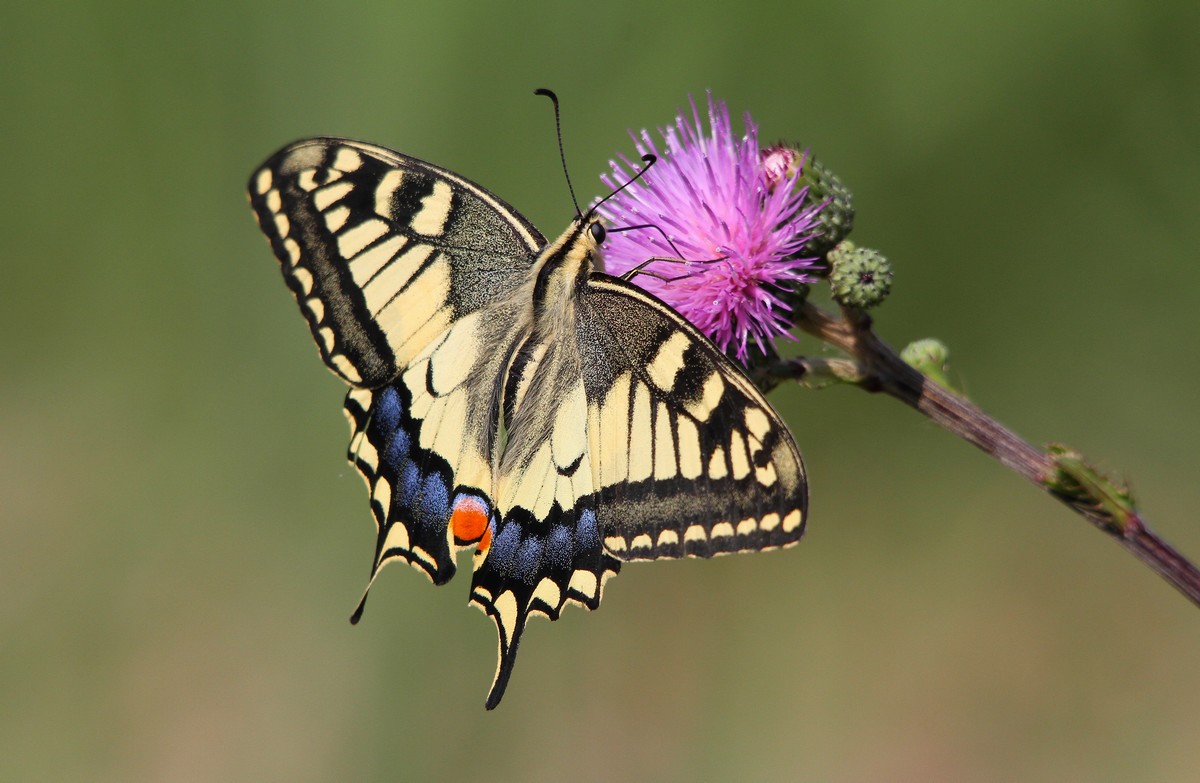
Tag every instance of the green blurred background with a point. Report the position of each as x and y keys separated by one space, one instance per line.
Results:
x=183 y=542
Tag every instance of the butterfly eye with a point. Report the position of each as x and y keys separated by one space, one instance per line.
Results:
x=598 y=232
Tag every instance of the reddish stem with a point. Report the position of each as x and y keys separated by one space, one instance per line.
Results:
x=884 y=371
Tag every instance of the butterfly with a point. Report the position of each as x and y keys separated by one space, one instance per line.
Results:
x=508 y=396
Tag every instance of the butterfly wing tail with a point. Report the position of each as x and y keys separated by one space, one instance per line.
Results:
x=528 y=568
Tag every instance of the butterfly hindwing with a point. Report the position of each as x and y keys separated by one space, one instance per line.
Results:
x=426 y=443
x=535 y=566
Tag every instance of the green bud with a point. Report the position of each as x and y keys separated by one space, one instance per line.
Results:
x=926 y=353
x=931 y=357
x=859 y=277
x=837 y=216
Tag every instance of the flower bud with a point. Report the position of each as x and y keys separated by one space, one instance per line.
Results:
x=859 y=277
x=837 y=216
x=927 y=354
x=779 y=163
x=931 y=358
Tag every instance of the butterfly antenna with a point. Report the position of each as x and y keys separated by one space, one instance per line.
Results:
x=647 y=159
x=561 y=153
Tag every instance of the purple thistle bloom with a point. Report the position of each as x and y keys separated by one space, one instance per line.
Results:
x=734 y=214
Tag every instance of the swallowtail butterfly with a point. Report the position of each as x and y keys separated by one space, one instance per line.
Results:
x=506 y=395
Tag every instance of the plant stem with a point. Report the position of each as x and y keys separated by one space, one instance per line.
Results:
x=882 y=370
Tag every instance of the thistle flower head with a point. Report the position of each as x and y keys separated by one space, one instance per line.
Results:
x=727 y=223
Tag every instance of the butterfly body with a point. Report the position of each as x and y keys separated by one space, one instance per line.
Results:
x=509 y=397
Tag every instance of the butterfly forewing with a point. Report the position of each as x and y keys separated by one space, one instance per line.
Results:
x=384 y=252
x=692 y=459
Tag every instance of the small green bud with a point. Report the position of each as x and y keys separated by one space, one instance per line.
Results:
x=859 y=277
x=926 y=353
x=837 y=216
x=931 y=358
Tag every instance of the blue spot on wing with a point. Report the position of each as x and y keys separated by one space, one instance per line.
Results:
x=433 y=508
x=409 y=486
x=529 y=560
x=388 y=409
x=559 y=546
x=398 y=449
x=587 y=534
x=504 y=547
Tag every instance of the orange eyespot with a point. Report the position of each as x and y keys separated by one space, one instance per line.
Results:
x=469 y=521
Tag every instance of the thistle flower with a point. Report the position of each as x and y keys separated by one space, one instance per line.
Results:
x=728 y=222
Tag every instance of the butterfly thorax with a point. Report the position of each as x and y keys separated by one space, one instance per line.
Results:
x=561 y=270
